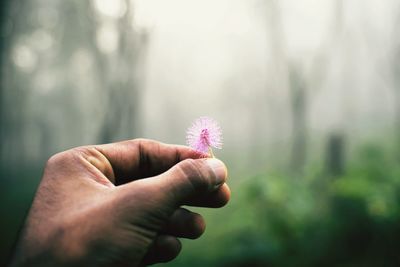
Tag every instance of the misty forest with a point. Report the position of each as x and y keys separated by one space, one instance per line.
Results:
x=307 y=93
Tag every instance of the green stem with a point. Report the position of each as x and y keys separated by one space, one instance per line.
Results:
x=211 y=152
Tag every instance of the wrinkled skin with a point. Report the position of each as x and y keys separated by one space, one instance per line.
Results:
x=93 y=206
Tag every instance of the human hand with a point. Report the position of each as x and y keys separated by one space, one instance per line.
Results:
x=93 y=207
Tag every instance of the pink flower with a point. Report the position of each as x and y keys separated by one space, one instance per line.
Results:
x=204 y=134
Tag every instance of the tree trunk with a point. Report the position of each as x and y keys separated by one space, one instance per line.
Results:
x=335 y=151
x=299 y=120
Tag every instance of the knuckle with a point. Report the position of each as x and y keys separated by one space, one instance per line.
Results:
x=63 y=158
x=141 y=142
x=55 y=159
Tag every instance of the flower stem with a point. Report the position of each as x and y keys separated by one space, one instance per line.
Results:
x=211 y=152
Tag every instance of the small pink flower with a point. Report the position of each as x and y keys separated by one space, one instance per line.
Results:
x=204 y=134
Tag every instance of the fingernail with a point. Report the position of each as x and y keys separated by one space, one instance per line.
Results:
x=219 y=169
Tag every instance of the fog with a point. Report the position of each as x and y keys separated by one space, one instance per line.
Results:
x=295 y=84
x=154 y=66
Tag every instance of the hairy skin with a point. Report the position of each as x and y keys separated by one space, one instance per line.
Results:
x=93 y=207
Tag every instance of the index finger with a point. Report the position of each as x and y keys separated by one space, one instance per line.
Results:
x=141 y=158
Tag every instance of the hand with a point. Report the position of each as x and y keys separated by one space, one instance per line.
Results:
x=93 y=207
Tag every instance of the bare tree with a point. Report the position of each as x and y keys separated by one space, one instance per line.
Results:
x=4 y=7
x=12 y=94
x=396 y=79
x=278 y=87
x=298 y=95
x=120 y=87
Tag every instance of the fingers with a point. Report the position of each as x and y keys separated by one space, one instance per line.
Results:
x=190 y=180
x=165 y=248
x=215 y=199
x=186 y=224
x=142 y=158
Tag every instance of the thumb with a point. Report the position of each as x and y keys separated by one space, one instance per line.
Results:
x=191 y=178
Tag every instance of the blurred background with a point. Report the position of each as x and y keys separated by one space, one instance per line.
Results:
x=307 y=93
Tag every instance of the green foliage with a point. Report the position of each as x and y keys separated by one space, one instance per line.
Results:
x=277 y=219
x=315 y=220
